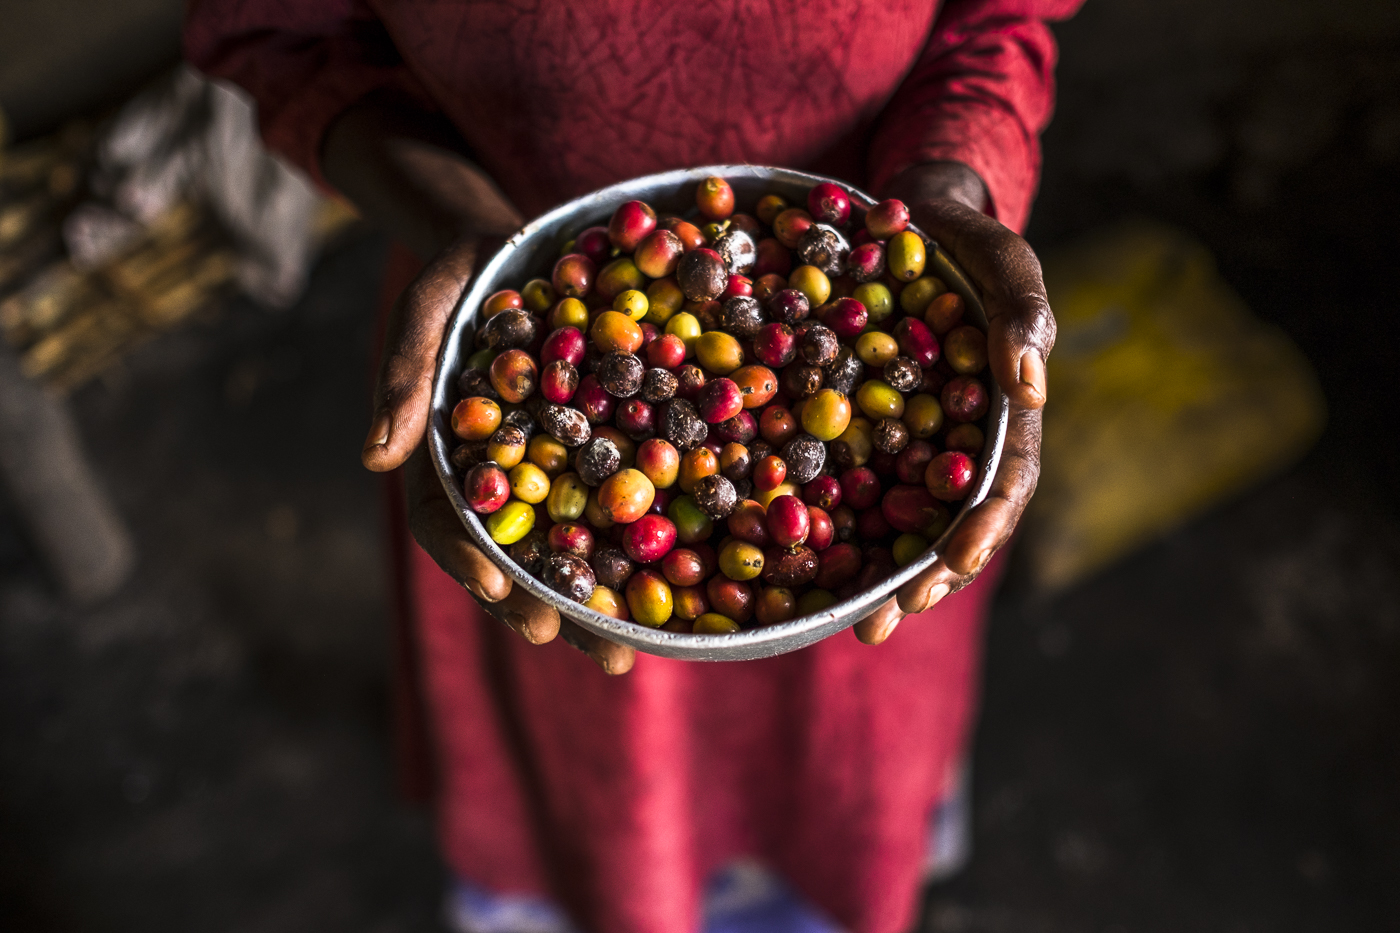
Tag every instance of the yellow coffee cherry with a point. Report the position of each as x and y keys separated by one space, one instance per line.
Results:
x=511 y=522
x=712 y=623
x=876 y=348
x=528 y=483
x=632 y=303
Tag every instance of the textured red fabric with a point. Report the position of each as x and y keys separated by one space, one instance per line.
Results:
x=559 y=98
x=617 y=796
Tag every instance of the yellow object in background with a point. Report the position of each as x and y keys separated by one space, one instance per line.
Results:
x=1167 y=395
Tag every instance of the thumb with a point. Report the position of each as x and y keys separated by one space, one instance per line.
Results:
x=403 y=394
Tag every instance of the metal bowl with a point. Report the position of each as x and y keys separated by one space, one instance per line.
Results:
x=531 y=253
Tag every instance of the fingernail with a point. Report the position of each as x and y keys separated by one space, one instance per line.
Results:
x=936 y=594
x=981 y=560
x=886 y=632
x=517 y=621
x=379 y=431
x=1032 y=373
x=477 y=589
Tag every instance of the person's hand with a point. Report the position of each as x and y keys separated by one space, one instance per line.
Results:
x=1020 y=337
x=398 y=437
x=407 y=170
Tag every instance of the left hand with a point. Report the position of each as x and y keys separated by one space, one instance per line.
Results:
x=946 y=205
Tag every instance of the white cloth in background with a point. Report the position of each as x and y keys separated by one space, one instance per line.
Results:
x=190 y=137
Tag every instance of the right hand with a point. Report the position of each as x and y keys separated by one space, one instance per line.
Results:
x=398 y=437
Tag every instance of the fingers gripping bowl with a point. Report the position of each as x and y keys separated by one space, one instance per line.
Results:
x=533 y=252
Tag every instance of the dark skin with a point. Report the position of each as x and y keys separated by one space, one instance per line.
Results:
x=407 y=171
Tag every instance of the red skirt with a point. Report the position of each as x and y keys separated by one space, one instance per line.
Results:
x=617 y=797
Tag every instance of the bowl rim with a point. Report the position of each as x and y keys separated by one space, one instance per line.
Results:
x=758 y=642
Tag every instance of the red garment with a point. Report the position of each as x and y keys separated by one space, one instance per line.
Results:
x=618 y=796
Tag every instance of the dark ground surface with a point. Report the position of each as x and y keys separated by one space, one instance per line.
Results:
x=1205 y=737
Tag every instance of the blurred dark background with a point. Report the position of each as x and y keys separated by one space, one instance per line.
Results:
x=1206 y=736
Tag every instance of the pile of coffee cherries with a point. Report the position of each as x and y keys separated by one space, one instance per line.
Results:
x=709 y=424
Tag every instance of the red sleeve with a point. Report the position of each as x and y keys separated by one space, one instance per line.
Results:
x=980 y=94
x=304 y=63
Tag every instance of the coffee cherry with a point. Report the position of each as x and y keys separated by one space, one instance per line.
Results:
x=846 y=317
x=569 y=575
x=879 y=399
x=923 y=416
x=612 y=566
x=775 y=604
x=548 y=454
x=510 y=523
x=476 y=419
x=769 y=473
x=903 y=374
x=823 y=533
x=826 y=415
x=531 y=551
x=790 y=306
x=824 y=248
x=965 y=348
x=719 y=400
x=507 y=446
x=683 y=567
x=649 y=539
x=573 y=276
x=559 y=382
x=702 y=275
x=731 y=598
x=649 y=598
x=625 y=496
x=682 y=425
x=630 y=224
x=790 y=225
x=620 y=374
x=739 y=560
x=692 y=525
x=738 y=250
x=571 y=538
x=949 y=476
x=529 y=483
x=828 y=204
x=741 y=429
x=886 y=219
x=844 y=373
x=715 y=496
x=788 y=521
x=964 y=399
x=486 y=488
x=860 y=488
x=742 y=317
x=789 y=567
x=596 y=460
x=804 y=456
x=514 y=375
x=890 y=435
x=719 y=352
x=866 y=263
x=967 y=438
x=812 y=282
x=837 y=565
x=771 y=258
x=508 y=330
x=819 y=345
x=944 y=313
x=801 y=380
x=734 y=462
x=636 y=419
x=568 y=426
x=775 y=345
x=917 y=342
x=715 y=198
x=912 y=461
x=905 y=255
